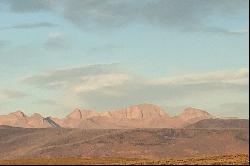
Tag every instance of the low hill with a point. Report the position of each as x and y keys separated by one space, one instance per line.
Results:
x=220 y=124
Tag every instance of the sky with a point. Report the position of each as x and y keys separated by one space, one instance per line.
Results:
x=58 y=55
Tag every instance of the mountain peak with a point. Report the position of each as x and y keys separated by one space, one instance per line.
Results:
x=76 y=114
x=143 y=111
x=150 y=108
x=147 y=105
x=141 y=115
x=18 y=114
x=195 y=111
x=195 y=114
x=82 y=114
x=36 y=115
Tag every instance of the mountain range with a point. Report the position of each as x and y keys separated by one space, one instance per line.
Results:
x=136 y=116
x=139 y=131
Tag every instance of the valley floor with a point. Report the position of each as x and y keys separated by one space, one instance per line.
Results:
x=239 y=159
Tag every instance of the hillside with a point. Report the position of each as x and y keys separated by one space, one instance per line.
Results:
x=135 y=143
x=220 y=123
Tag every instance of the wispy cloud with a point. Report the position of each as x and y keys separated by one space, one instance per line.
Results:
x=65 y=78
x=240 y=77
x=90 y=83
x=218 y=30
x=29 y=5
x=47 y=102
x=109 y=14
x=57 y=41
x=30 y=26
x=105 y=86
x=234 y=109
x=240 y=31
x=107 y=49
x=3 y=43
x=6 y=94
x=181 y=14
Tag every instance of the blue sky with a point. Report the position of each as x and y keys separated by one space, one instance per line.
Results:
x=59 y=55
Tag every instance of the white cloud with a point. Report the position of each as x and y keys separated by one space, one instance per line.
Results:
x=30 y=26
x=235 y=77
x=90 y=83
x=71 y=77
x=240 y=31
x=104 y=87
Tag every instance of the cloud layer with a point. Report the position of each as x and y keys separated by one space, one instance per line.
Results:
x=7 y=94
x=3 y=43
x=28 y=5
x=65 y=78
x=106 y=14
x=107 y=87
x=57 y=41
x=30 y=26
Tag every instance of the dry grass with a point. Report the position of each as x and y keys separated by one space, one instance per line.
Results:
x=239 y=159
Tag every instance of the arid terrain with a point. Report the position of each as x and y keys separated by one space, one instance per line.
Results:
x=238 y=159
x=141 y=134
x=117 y=143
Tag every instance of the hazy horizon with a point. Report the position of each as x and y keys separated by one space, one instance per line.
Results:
x=56 y=56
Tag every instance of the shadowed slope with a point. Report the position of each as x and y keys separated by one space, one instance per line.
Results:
x=221 y=123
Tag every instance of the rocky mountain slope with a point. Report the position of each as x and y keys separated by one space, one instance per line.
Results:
x=19 y=119
x=137 y=116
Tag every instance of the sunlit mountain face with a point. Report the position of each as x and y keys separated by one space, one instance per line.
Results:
x=105 y=55
x=137 y=116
